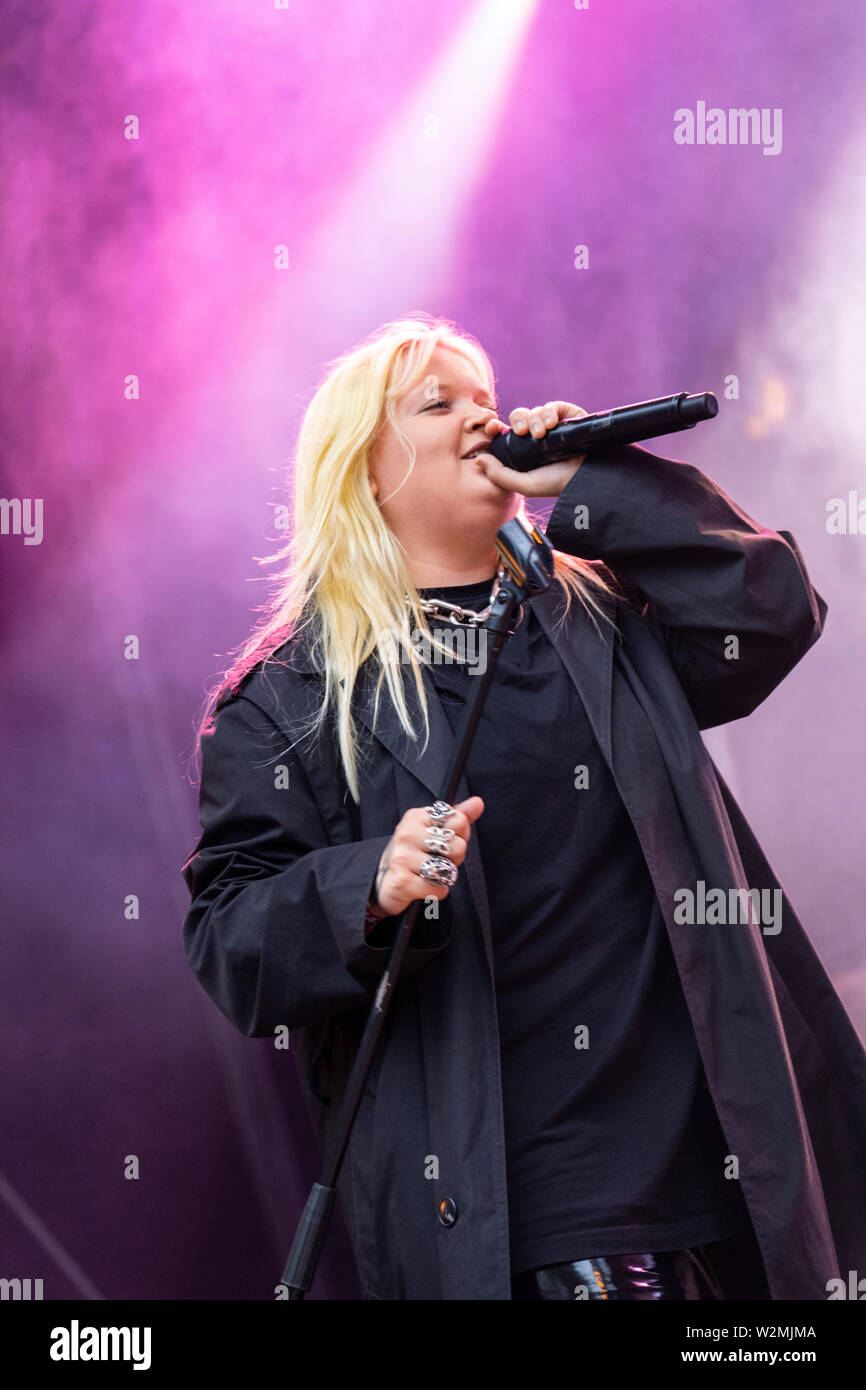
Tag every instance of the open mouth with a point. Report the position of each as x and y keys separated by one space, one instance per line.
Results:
x=479 y=449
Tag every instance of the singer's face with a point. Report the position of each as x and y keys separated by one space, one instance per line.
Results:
x=447 y=506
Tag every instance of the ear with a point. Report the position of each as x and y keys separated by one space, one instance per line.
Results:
x=374 y=486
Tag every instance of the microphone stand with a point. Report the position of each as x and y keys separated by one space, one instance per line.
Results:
x=527 y=558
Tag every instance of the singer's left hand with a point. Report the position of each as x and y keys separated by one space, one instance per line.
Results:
x=548 y=480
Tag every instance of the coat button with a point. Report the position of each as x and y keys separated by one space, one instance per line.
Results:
x=448 y=1211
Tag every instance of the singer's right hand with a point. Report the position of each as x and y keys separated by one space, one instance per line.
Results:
x=398 y=882
x=550 y=478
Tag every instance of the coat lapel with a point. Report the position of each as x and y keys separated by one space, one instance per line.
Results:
x=587 y=655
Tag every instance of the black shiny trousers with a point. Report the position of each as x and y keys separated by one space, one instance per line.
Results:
x=722 y=1269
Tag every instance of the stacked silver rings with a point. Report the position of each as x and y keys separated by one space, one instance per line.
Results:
x=437 y=869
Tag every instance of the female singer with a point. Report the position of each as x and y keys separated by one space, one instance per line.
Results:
x=579 y=1092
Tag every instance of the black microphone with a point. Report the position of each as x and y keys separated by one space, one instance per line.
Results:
x=625 y=425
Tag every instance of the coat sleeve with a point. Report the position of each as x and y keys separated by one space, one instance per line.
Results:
x=275 y=930
x=704 y=571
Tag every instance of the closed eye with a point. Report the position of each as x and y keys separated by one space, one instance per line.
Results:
x=442 y=401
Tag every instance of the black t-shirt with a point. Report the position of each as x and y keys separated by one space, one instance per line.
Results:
x=613 y=1144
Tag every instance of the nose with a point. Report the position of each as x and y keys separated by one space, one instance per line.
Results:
x=476 y=419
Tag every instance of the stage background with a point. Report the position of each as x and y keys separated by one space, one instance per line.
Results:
x=213 y=200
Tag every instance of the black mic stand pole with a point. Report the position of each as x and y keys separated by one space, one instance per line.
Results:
x=527 y=559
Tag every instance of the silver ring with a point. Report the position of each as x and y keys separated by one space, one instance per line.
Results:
x=439 y=838
x=440 y=871
x=439 y=811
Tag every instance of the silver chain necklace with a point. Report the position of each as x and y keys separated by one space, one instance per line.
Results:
x=462 y=617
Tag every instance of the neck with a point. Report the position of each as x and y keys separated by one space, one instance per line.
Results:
x=440 y=575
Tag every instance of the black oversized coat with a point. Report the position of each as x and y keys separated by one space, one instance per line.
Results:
x=281 y=875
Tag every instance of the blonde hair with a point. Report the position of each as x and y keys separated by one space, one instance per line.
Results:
x=344 y=569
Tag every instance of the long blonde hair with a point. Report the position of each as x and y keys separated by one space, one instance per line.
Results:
x=343 y=568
